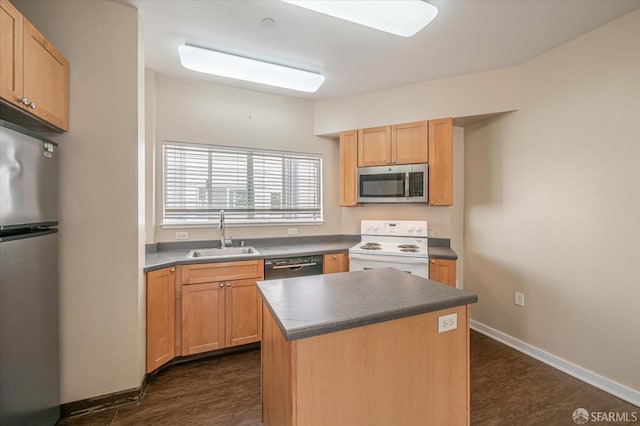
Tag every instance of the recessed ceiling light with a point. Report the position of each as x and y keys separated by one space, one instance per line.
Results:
x=400 y=17
x=241 y=68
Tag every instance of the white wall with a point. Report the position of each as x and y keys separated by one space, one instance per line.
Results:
x=100 y=281
x=198 y=112
x=473 y=94
x=552 y=197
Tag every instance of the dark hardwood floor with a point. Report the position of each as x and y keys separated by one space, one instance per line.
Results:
x=507 y=388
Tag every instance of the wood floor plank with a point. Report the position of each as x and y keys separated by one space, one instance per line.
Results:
x=507 y=388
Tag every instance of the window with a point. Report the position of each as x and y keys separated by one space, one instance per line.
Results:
x=252 y=186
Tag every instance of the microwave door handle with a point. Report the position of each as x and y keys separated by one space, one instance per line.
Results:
x=406 y=185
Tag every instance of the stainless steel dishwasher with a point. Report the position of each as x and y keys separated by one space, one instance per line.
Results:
x=289 y=267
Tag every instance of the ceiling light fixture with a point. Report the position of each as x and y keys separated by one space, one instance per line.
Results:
x=400 y=17
x=241 y=68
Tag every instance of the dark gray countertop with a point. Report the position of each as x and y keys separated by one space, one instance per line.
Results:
x=163 y=255
x=442 y=253
x=168 y=254
x=320 y=304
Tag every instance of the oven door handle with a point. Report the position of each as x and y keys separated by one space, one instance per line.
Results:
x=390 y=259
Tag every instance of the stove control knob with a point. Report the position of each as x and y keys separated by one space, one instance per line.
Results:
x=410 y=229
x=368 y=227
x=375 y=227
x=419 y=230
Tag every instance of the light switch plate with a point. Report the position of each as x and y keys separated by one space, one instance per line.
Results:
x=182 y=235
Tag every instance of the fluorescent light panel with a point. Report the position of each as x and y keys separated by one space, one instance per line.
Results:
x=400 y=17
x=241 y=68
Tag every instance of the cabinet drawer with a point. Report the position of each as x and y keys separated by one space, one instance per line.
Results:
x=222 y=271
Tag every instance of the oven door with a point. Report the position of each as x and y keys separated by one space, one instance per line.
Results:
x=414 y=265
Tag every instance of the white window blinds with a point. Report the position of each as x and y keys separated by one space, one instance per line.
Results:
x=252 y=186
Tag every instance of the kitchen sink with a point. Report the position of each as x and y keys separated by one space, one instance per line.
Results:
x=220 y=252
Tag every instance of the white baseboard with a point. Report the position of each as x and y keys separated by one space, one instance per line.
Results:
x=630 y=395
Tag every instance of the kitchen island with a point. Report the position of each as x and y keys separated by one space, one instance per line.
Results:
x=364 y=348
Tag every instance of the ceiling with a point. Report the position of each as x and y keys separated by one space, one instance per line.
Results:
x=467 y=36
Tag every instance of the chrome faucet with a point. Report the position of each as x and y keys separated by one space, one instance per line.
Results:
x=221 y=228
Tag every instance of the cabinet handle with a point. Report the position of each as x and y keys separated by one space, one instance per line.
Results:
x=172 y=270
x=32 y=105
x=221 y=285
x=24 y=101
x=333 y=257
x=433 y=262
x=393 y=161
x=228 y=284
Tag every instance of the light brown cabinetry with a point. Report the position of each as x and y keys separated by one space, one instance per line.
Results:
x=337 y=262
x=441 y=162
x=202 y=317
x=243 y=321
x=34 y=76
x=443 y=271
x=220 y=305
x=374 y=146
x=160 y=335
x=322 y=380
x=391 y=145
x=10 y=52
x=348 y=165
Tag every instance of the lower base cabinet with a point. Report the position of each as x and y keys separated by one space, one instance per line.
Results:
x=443 y=271
x=338 y=262
x=160 y=332
x=220 y=305
x=202 y=317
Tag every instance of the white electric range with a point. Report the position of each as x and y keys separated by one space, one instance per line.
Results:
x=400 y=244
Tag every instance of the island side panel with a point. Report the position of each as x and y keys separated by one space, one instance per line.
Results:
x=400 y=372
x=278 y=374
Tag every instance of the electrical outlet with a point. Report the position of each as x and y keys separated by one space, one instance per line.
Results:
x=519 y=299
x=447 y=322
x=292 y=231
x=182 y=235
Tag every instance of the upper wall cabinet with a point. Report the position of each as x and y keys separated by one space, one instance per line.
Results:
x=348 y=166
x=10 y=52
x=391 y=145
x=34 y=76
x=441 y=162
x=420 y=142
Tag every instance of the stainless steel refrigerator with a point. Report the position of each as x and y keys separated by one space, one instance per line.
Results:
x=29 y=331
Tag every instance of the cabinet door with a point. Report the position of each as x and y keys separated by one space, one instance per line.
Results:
x=222 y=271
x=160 y=317
x=348 y=166
x=202 y=317
x=10 y=53
x=46 y=79
x=443 y=271
x=409 y=143
x=441 y=162
x=338 y=262
x=374 y=146
x=243 y=312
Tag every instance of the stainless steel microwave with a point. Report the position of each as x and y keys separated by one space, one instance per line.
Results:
x=393 y=184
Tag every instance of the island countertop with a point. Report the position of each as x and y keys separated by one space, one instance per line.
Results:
x=320 y=304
